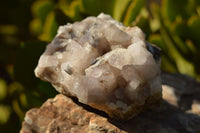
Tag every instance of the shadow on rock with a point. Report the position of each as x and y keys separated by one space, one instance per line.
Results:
x=181 y=90
x=165 y=119
x=179 y=113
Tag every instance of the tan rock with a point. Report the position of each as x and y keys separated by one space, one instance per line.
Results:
x=169 y=95
x=196 y=107
x=63 y=115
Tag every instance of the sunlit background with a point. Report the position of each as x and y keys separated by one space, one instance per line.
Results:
x=27 y=26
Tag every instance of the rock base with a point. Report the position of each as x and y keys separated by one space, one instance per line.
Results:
x=179 y=113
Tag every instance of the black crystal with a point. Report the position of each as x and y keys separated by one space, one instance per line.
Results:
x=155 y=51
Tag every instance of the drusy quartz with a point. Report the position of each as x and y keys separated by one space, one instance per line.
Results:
x=105 y=65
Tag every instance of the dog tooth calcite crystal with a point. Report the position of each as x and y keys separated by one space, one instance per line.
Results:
x=105 y=65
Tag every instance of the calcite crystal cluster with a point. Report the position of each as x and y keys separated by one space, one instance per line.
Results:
x=105 y=65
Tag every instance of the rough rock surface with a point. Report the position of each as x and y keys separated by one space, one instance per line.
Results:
x=63 y=115
x=184 y=88
x=105 y=65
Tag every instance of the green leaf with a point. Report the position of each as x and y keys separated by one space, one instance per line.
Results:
x=194 y=32
x=72 y=9
x=75 y=11
x=183 y=65
x=142 y=21
x=181 y=29
x=133 y=10
x=4 y=113
x=198 y=10
x=95 y=7
x=168 y=64
x=155 y=19
x=23 y=100
x=41 y=8
x=3 y=89
x=18 y=109
x=173 y=8
x=26 y=61
x=14 y=89
x=50 y=28
x=157 y=40
x=120 y=7
x=36 y=27
x=61 y=18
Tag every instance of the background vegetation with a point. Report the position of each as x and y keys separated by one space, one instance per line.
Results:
x=27 y=26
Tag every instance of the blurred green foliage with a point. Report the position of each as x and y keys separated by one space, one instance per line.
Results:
x=27 y=26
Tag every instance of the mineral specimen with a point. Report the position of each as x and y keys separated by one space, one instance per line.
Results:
x=105 y=65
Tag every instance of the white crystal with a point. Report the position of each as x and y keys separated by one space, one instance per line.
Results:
x=104 y=64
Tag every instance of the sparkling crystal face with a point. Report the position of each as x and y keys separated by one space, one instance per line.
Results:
x=105 y=65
